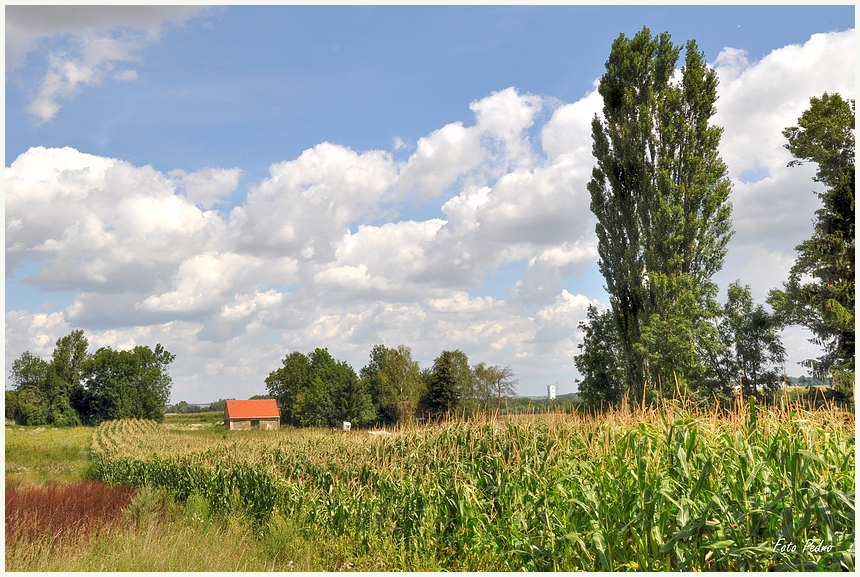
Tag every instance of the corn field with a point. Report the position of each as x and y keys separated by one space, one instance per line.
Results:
x=656 y=490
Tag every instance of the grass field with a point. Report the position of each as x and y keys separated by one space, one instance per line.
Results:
x=206 y=418
x=667 y=490
x=38 y=455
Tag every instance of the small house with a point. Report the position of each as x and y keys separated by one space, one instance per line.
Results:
x=258 y=414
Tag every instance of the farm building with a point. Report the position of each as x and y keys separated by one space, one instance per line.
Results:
x=259 y=414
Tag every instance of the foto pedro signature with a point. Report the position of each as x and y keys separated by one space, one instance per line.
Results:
x=810 y=546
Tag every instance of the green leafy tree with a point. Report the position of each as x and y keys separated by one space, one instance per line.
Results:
x=184 y=408
x=76 y=387
x=286 y=382
x=42 y=394
x=181 y=407
x=336 y=393
x=394 y=382
x=61 y=413
x=127 y=384
x=68 y=358
x=426 y=375
x=754 y=353
x=451 y=383
x=29 y=371
x=677 y=339
x=370 y=374
x=352 y=401
x=492 y=383
x=819 y=293
x=312 y=406
x=599 y=360
x=32 y=407
x=484 y=377
x=660 y=194
x=67 y=394
x=11 y=404
x=221 y=405
x=315 y=390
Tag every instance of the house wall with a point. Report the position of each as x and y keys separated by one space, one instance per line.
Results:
x=245 y=424
x=237 y=424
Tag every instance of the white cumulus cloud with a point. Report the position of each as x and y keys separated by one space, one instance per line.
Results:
x=758 y=100
x=207 y=186
x=316 y=255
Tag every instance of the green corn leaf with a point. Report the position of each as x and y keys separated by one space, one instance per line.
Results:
x=719 y=544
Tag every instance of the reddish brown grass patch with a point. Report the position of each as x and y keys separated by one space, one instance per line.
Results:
x=64 y=512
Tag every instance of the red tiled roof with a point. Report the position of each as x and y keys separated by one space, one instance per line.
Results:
x=258 y=409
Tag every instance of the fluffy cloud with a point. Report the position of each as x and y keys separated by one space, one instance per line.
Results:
x=439 y=160
x=202 y=281
x=100 y=224
x=97 y=40
x=388 y=261
x=496 y=143
x=774 y=204
x=546 y=271
x=558 y=323
x=568 y=133
x=207 y=186
x=98 y=58
x=36 y=333
x=315 y=255
x=307 y=203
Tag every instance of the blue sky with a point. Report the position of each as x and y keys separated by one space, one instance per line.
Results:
x=466 y=227
x=252 y=86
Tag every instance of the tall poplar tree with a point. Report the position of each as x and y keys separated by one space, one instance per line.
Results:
x=660 y=193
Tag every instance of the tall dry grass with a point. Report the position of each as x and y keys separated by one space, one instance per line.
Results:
x=64 y=512
x=44 y=522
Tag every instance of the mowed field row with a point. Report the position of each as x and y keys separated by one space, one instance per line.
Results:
x=654 y=490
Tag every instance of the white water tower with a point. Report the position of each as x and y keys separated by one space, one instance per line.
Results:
x=550 y=392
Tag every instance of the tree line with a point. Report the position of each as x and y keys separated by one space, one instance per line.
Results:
x=76 y=387
x=660 y=193
x=184 y=408
x=314 y=389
